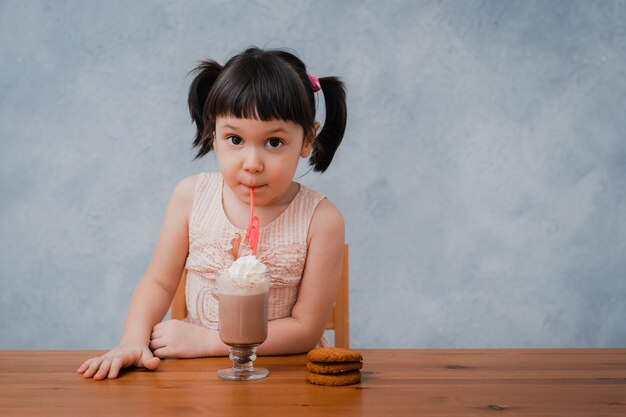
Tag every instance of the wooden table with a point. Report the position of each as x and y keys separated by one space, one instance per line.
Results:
x=438 y=382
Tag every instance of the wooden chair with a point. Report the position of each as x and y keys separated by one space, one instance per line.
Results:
x=339 y=320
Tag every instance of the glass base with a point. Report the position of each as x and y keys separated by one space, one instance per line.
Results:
x=246 y=375
x=242 y=369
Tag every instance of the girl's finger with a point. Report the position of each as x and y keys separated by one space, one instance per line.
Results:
x=84 y=366
x=156 y=344
x=95 y=365
x=104 y=369
x=160 y=352
x=116 y=365
x=155 y=334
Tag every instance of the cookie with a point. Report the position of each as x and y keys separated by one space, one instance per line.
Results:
x=332 y=355
x=336 y=380
x=333 y=368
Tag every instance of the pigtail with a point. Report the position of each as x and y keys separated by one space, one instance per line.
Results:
x=206 y=74
x=326 y=143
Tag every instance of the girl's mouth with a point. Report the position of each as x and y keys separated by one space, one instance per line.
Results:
x=253 y=187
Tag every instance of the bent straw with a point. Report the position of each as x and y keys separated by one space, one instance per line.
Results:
x=252 y=234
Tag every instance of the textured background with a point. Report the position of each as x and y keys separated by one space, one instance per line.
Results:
x=482 y=177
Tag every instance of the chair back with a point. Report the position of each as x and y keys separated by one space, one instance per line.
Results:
x=339 y=320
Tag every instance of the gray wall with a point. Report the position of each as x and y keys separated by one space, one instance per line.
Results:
x=482 y=177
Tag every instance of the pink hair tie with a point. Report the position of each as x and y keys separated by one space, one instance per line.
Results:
x=315 y=83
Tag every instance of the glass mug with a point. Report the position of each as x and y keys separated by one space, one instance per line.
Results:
x=242 y=322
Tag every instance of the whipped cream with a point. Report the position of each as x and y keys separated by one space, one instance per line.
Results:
x=247 y=274
x=247 y=267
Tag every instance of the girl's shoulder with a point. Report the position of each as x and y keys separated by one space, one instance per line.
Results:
x=200 y=192
x=187 y=186
x=324 y=209
x=194 y=183
x=327 y=221
x=183 y=195
x=188 y=189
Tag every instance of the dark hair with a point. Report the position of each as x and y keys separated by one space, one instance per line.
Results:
x=266 y=85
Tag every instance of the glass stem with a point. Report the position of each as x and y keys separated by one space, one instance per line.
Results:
x=242 y=357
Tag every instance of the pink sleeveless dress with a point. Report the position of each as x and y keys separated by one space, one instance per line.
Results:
x=215 y=243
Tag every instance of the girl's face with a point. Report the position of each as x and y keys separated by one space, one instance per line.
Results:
x=258 y=154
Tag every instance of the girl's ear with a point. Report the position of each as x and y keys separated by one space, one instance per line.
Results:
x=308 y=141
x=306 y=149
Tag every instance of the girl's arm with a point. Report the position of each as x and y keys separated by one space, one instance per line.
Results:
x=154 y=293
x=318 y=288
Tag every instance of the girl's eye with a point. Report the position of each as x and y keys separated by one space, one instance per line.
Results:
x=274 y=143
x=234 y=140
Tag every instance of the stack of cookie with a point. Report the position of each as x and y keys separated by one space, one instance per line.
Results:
x=334 y=366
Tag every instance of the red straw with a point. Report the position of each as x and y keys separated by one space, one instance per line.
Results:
x=252 y=234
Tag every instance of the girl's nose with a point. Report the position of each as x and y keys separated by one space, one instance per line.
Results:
x=252 y=162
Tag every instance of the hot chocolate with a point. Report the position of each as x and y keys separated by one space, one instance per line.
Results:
x=243 y=318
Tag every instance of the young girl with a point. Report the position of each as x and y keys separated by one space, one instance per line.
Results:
x=257 y=113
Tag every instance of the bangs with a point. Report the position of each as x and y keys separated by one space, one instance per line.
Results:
x=262 y=89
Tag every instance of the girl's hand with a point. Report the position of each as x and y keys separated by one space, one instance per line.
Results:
x=109 y=364
x=179 y=339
